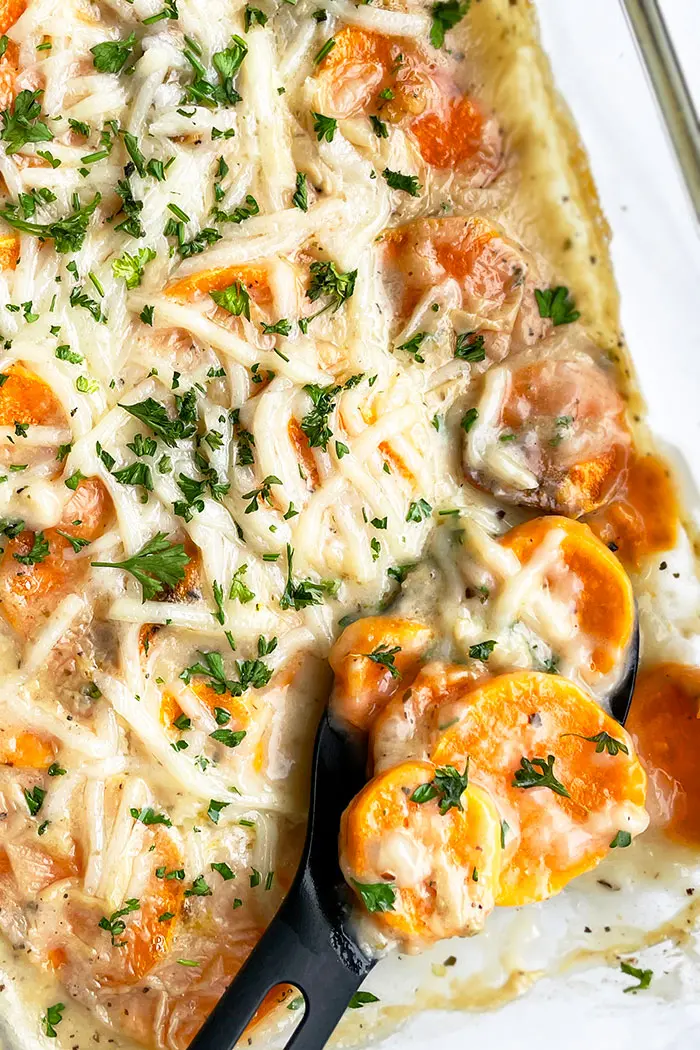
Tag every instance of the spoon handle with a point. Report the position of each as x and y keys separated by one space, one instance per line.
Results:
x=306 y=944
x=293 y=950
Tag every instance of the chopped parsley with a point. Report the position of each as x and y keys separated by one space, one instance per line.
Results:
x=469 y=419
x=21 y=122
x=54 y=1013
x=360 y=999
x=376 y=896
x=315 y=423
x=112 y=55
x=263 y=492
x=234 y=299
x=419 y=511
x=557 y=304
x=379 y=127
x=38 y=553
x=157 y=565
x=239 y=590
x=604 y=742
x=131 y=267
x=326 y=282
x=148 y=816
x=324 y=127
x=34 y=799
x=199 y=888
x=154 y=415
x=448 y=785
x=412 y=346
x=445 y=16
x=115 y=925
x=482 y=650
x=300 y=197
x=470 y=347
x=643 y=976
x=396 y=180
x=543 y=776
x=385 y=655
x=67 y=233
x=254 y=16
x=214 y=809
x=298 y=594
x=224 y=870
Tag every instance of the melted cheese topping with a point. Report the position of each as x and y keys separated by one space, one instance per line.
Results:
x=304 y=452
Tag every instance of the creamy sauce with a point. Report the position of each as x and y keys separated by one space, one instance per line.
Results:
x=92 y=675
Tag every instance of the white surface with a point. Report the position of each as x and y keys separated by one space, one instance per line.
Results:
x=656 y=251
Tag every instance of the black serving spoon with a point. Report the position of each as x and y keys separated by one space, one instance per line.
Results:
x=308 y=943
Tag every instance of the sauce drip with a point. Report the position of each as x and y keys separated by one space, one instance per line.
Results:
x=665 y=727
x=643 y=519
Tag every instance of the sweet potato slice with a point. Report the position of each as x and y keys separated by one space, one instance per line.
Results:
x=29 y=592
x=25 y=749
x=371 y=659
x=24 y=398
x=366 y=73
x=9 y=242
x=643 y=518
x=565 y=798
x=423 y=858
x=146 y=935
x=238 y=710
x=10 y=11
x=452 y=134
x=665 y=725
x=561 y=431
x=473 y=252
x=405 y=727
x=601 y=593
x=355 y=70
x=198 y=285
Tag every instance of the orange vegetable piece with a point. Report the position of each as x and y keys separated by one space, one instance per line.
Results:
x=25 y=749
x=362 y=66
x=147 y=940
x=35 y=868
x=29 y=593
x=56 y=957
x=198 y=285
x=303 y=450
x=9 y=243
x=188 y=589
x=363 y=683
x=10 y=11
x=472 y=251
x=552 y=838
x=404 y=728
x=443 y=868
x=355 y=69
x=665 y=725
x=605 y=603
x=236 y=707
x=643 y=518
x=24 y=398
x=579 y=392
x=452 y=135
